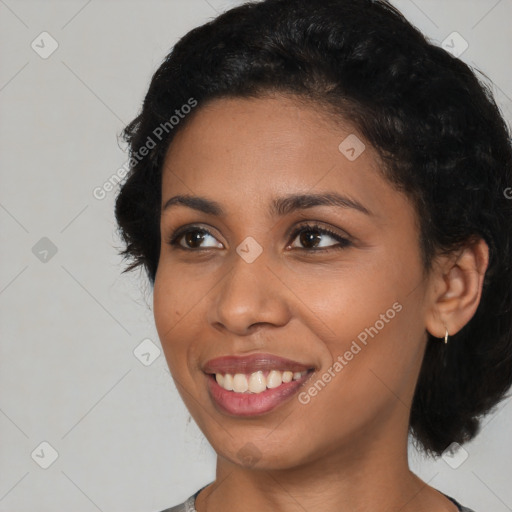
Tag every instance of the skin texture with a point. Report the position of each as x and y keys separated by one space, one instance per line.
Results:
x=347 y=448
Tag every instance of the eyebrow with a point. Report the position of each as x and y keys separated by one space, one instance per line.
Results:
x=279 y=207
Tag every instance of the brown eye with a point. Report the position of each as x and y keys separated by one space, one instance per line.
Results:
x=192 y=239
x=311 y=237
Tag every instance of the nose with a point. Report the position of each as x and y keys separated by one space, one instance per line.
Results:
x=249 y=296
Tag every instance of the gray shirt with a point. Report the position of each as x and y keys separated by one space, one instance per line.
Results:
x=188 y=505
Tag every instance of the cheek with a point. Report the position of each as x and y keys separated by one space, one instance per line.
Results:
x=176 y=296
x=374 y=364
x=372 y=326
x=345 y=299
x=172 y=310
x=365 y=379
x=166 y=309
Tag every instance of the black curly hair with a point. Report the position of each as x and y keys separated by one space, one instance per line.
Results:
x=435 y=125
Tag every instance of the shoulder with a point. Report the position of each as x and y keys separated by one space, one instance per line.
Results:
x=189 y=504
x=186 y=506
x=459 y=506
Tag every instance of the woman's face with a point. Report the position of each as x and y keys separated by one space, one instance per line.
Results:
x=260 y=277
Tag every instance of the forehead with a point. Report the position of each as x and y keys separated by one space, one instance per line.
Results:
x=247 y=150
x=272 y=123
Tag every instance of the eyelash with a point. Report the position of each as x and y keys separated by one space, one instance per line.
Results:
x=343 y=242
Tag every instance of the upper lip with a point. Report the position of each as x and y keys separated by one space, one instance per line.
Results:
x=252 y=363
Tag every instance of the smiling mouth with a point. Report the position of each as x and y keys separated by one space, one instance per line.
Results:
x=242 y=402
x=254 y=384
x=257 y=382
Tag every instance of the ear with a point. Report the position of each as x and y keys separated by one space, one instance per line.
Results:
x=455 y=288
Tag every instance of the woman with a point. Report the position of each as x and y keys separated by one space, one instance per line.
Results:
x=319 y=198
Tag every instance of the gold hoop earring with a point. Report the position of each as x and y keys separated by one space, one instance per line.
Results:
x=446 y=336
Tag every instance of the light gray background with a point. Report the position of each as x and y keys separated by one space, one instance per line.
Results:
x=69 y=325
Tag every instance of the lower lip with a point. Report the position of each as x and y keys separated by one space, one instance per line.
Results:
x=252 y=404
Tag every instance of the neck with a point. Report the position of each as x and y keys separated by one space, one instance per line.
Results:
x=370 y=474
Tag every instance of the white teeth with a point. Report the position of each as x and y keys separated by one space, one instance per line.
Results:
x=228 y=382
x=274 y=379
x=257 y=382
x=240 y=383
x=287 y=376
